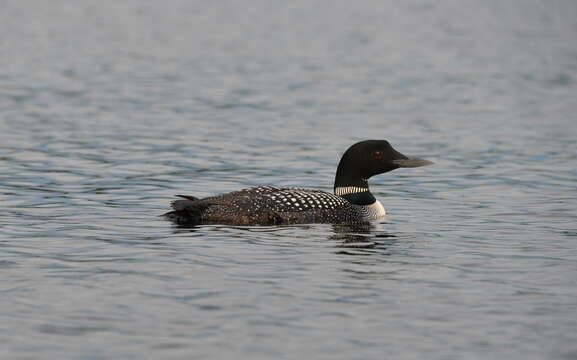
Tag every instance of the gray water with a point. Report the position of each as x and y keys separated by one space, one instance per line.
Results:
x=109 y=108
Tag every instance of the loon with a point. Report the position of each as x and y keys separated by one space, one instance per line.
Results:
x=352 y=201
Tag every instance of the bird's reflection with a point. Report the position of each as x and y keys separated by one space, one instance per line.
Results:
x=348 y=238
x=366 y=248
x=362 y=250
x=360 y=236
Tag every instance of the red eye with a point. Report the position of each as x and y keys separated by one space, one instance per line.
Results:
x=377 y=154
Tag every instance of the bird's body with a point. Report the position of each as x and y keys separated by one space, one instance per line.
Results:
x=351 y=202
x=273 y=205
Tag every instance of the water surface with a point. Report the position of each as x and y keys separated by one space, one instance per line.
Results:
x=108 y=109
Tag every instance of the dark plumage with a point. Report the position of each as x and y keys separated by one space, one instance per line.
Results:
x=268 y=205
x=265 y=205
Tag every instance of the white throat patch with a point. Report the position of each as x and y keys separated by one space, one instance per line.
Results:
x=374 y=211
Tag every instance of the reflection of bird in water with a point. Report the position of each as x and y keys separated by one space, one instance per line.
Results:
x=360 y=236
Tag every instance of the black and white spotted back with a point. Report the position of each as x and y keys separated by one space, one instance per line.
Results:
x=270 y=205
x=295 y=199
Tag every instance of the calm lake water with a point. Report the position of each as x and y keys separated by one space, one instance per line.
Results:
x=109 y=108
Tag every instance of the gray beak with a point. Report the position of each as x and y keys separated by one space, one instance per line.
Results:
x=412 y=162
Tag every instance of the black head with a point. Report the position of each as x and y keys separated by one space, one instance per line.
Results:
x=371 y=157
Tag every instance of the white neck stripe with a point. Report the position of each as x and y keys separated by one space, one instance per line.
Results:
x=350 y=190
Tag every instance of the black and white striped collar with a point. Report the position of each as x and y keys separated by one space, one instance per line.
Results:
x=346 y=190
x=358 y=195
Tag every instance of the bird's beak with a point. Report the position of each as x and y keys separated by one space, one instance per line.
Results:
x=411 y=162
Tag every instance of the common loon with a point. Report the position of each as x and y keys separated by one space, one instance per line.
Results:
x=351 y=202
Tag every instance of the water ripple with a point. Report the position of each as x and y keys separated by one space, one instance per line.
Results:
x=108 y=110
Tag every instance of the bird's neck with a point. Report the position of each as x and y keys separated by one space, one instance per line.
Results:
x=356 y=191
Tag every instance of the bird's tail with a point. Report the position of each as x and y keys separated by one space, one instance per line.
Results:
x=188 y=211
